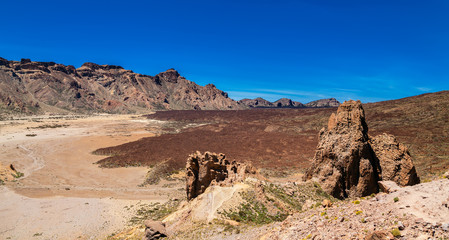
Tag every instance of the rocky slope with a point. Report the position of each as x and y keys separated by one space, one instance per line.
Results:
x=288 y=103
x=37 y=87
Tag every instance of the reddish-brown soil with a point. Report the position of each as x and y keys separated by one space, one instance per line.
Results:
x=285 y=139
x=268 y=138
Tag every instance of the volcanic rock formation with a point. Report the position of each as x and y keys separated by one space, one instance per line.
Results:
x=344 y=161
x=346 y=164
x=288 y=103
x=37 y=87
x=257 y=102
x=395 y=160
x=329 y=102
x=203 y=170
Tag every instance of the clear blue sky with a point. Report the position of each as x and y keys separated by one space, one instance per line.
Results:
x=304 y=50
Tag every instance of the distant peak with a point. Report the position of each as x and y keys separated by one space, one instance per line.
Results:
x=95 y=66
x=90 y=65
x=172 y=70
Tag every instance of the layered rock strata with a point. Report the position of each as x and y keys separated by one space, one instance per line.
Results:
x=37 y=87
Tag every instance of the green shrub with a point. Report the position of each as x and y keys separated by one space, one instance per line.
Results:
x=396 y=199
x=396 y=232
x=17 y=175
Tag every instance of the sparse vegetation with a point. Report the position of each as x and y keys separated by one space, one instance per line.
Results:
x=396 y=199
x=253 y=211
x=50 y=126
x=396 y=233
x=276 y=202
x=154 y=211
x=17 y=174
x=156 y=173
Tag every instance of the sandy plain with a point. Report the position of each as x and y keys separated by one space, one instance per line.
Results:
x=63 y=194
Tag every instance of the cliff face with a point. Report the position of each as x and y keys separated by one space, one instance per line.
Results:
x=36 y=87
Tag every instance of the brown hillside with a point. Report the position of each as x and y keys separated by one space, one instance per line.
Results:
x=285 y=139
x=38 y=87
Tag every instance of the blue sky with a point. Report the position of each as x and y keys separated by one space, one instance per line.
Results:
x=304 y=50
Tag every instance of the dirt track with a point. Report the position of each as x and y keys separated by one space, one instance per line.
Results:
x=63 y=195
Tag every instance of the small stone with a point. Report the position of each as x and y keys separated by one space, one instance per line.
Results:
x=326 y=203
x=445 y=227
x=401 y=225
x=380 y=235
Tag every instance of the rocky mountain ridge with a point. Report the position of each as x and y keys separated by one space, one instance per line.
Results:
x=39 y=87
x=288 y=103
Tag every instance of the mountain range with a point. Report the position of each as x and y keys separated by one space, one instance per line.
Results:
x=288 y=103
x=47 y=87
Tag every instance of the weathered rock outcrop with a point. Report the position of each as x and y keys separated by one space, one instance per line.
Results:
x=203 y=170
x=345 y=162
x=37 y=87
x=395 y=160
x=154 y=230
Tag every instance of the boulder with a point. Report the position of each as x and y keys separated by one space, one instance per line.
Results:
x=154 y=230
x=388 y=186
x=380 y=235
x=344 y=163
x=395 y=160
x=202 y=170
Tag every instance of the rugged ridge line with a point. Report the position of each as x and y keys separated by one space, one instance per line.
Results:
x=38 y=87
x=288 y=103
